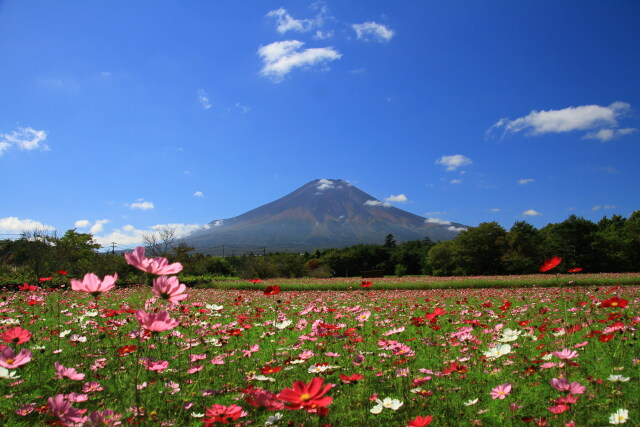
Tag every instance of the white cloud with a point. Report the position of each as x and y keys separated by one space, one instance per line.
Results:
x=494 y=210
x=15 y=225
x=437 y=221
x=280 y=58
x=324 y=184
x=455 y=181
x=131 y=236
x=81 y=223
x=456 y=229
x=525 y=181
x=598 y=207
x=98 y=226
x=605 y=135
x=454 y=162
x=434 y=213
x=286 y=22
x=142 y=205
x=569 y=119
x=531 y=212
x=323 y=35
x=377 y=203
x=372 y=31
x=24 y=139
x=198 y=194
x=203 y=99
x=400 y=198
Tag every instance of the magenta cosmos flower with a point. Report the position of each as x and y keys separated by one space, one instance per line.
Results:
x=9 y=359
x=71 y=373
x=67 y=415
x=156 y=322
x=561 y=384
x=93 y=285
x=169 y=288
x=159 y=266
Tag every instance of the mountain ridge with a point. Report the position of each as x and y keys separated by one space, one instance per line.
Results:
x=321 y=214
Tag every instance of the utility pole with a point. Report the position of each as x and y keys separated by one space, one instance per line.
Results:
x=222 y=251
x=113 y=248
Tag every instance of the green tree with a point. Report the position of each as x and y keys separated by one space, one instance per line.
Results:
x=441 y=259
x=479 y=250
x=523 y=249
x=573 y=240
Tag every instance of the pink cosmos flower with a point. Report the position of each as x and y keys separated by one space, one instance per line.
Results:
x=67 y=415
x=559 y=408
x=76 y=397
x=159 y=266
x=71 y=373
x=105 y=418
x=562 y=384
x=566 y=354
x=169 y=288
x=9 y=359
x=156 y=322
x=502 y=391
x=222 y=414
x=154 y=365
x=93 y=285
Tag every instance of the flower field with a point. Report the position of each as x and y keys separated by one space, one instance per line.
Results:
x=166 y=355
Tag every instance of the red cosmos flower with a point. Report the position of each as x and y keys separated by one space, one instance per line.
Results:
x=310 y=397
x=272 y=290
x=44 y=279
x=574 y=270
x=126 y=349
x=28 y=287
x=62 y=272
x=268 y=370
x=260 y=398
x=420 y=421
x=614 y=302
x=351 y=379
x=254 y=281
x=550 y=264
x=16 y=335
x=221 y=414
x=366 y=284
x=605 y=337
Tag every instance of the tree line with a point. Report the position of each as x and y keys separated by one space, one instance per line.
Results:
x=610 y=245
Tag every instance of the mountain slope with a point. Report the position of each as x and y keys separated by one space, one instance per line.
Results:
x=321 y=214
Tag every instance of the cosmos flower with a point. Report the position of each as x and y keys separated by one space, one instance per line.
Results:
x=169 y=288
x=561 y=384
x=501 y=391
x=158 y=266
x=222 y=414
x=66 y=414
x=9 y=359
x=15 y=335
x=386 y=403
x=497 y=351
x=71 y=373
x=93 y=285
x=307 y=396
x=619 y=417
x=550 y=264
x=420 y=421
x=156 y=322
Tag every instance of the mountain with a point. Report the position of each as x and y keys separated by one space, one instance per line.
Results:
x=323 y=213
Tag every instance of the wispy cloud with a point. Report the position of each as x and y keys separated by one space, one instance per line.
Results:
x=598 y=207
x=454 y=162
x=23 y=139
x=531 y=212
x=494 y=210
x=286 y=22
x=455 y=181
x=456 y=229
x=525 y=181
x=372 y=31
x=130 y=236
x=400 y=198
x=584 y=117
x=142 y=205
x=437 y=221
x=203 y=99
x=605 y=135
x=15 y=225
x=242 y=108
x=377 y=203
x=198 y=194
x=280 y=58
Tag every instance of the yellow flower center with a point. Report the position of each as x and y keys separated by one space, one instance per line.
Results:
x=305 y=396
x=10 y=361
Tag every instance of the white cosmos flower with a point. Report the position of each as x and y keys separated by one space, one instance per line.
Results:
x=197 y=415
x=64 y=333
x=284 y=324
x=214 y=307
x=619 y=417
x=509 y=335
x=273 y=420
x=618 y=378
x=497 y=351
x=470 y=402
x=7 y=374
x=263 y=378
x=387 y=403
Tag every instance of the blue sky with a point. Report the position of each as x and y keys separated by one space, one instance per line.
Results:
x=119 y=116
